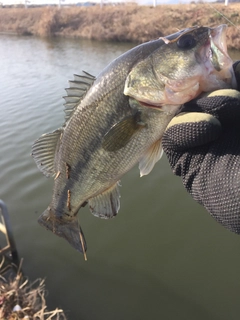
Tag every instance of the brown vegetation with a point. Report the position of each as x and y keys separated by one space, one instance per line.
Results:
x=20 y=299
x=120 y=23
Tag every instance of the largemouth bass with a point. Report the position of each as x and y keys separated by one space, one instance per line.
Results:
x=117 y=120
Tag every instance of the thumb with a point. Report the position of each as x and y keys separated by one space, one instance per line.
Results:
x=193 y=129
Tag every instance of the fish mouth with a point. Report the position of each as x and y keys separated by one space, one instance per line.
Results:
x=218 y=55
x=218 y=36
x=150 y=105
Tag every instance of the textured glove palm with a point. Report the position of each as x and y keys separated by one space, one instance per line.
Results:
x=204 y=149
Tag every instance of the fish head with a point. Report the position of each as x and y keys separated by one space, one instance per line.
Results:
x=190 y=62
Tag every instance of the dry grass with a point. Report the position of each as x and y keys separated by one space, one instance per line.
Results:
x=30 y=299
x=119 y=23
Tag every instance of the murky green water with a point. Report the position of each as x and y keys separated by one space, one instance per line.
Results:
x=162 y=257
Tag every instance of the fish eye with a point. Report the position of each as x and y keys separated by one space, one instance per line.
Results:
x=186 y=42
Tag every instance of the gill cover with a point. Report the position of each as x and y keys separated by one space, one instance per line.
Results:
x=145 y=83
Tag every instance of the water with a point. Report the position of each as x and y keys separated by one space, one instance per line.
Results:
x=162 y=257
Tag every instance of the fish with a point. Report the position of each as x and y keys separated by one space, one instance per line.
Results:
x=117 y=119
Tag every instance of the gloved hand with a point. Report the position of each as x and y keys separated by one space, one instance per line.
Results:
x=204 y=149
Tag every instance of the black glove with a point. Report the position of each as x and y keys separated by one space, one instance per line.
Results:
x=204 y=149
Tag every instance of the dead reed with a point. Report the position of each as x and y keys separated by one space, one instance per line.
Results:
x=120 y=23
x=20 y=299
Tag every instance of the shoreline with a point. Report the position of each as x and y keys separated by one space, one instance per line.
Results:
x=122 y=23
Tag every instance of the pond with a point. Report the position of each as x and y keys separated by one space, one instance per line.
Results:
x=162 y=257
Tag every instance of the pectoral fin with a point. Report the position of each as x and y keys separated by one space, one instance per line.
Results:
x=122 y=132
x=150 y=157
x=106 y=204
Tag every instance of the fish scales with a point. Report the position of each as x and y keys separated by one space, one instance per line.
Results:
x=96 y=114
x=119 y=119
x=111 y=168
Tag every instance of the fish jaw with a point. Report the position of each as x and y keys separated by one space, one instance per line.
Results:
x=217 y=65
x=223 y=63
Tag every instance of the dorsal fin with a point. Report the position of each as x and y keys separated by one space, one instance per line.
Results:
x=43 y=151
x=76 y=92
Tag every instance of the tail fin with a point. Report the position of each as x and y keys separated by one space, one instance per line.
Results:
x=68 y=229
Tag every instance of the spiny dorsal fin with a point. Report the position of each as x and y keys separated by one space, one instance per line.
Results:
x=43 y=152
x=77 y=91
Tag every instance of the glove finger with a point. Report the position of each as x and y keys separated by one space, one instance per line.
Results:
x=188 y=130
x=222 y=104
x=236 y=68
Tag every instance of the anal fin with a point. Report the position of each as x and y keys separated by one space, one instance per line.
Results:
x=106 y=204
x=150 y=157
